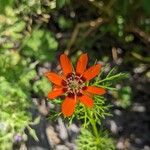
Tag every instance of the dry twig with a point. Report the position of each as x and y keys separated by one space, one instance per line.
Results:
x=93 y=24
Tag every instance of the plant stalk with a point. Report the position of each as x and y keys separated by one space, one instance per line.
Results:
x=93 y=124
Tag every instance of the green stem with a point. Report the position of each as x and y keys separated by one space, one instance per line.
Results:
x=85 y=117
x=93 y=123
x=94 y=128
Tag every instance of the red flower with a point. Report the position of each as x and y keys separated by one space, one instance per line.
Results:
x=73 y=83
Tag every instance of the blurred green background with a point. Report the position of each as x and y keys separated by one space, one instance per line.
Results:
x=34 y=33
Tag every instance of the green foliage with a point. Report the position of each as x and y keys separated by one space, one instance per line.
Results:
x=4 y=4
x=18 y=50
x=111 y=79
x=41 y=87
x=32 y=133
x=15 y=100
x=124 y=96
x=99 y=112
x=41 y=45
x=86 y=140
x=62 y=3
x=145 y=5
x=93 y=117
x=64 y=23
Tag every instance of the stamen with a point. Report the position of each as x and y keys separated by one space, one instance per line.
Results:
x=80 y=81
x=75 y=84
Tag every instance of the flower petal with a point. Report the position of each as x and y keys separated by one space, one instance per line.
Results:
x=53 y=77
x=86 y=100
x=55 y=93
x=65 y=64
x=68 y=106
x=96 y=90
x=82 y=63
x=92 y=72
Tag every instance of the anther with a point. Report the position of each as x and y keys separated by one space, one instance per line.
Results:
x=80 y=81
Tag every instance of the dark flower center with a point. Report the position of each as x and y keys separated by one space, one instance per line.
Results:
x=74 y=84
